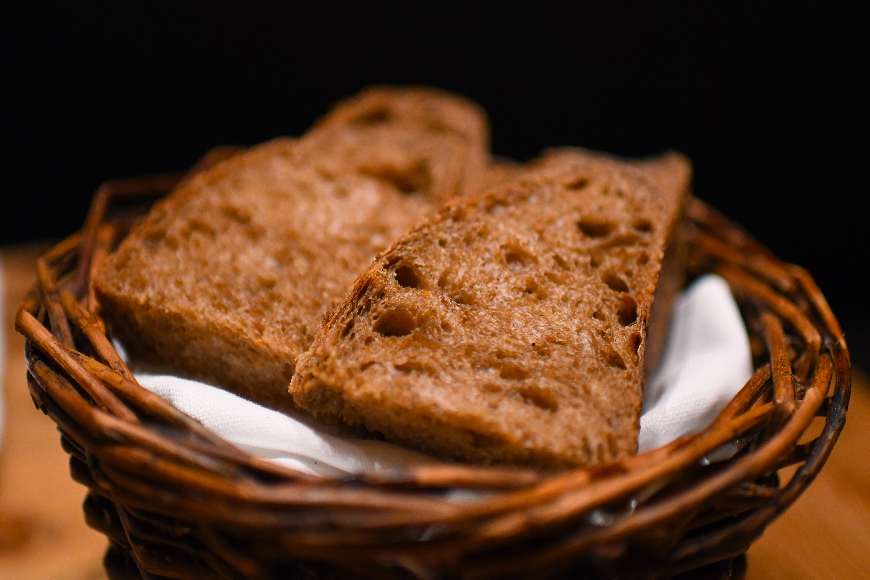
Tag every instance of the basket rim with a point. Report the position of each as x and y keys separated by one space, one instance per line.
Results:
x=151 y=461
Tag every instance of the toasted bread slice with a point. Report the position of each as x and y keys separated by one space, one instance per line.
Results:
x=418 y=139
x=229 y=278
x=507 y=328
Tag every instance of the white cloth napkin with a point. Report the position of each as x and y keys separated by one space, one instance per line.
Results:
x=293 y=439
x=705 y=362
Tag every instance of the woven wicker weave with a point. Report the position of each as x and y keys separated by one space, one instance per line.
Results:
x=176 y=501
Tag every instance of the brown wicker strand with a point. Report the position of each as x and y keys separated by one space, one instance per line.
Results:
x=744 y=284
x=59 y=323
x=30 y=327
x=105 y=239
x=135 y=187
x=783 y=381
x=95 y=333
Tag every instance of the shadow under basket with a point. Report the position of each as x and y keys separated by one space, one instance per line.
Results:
x=176 y=501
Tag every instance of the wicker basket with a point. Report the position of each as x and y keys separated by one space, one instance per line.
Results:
x=176 y=501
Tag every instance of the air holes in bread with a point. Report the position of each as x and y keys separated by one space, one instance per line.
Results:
x=598 y=315
x=378 y=116
x=623 y=239
x=642 y=225
x=634 y=341
x=555 y=277
x=595 y=228
x=627 y=311
x=532 y=288
x=611 y=357
x=512 y=373
x=363 y=307
x=494 y=204
x=199 y=226
x=396 y=322
x=267 y=280
x=560 y=261
x=463 y=298
x=517 y=258
x=405 y=179
x=407 y=277
x=457 y=292
x=614 y=282
x=642 y=258
x=577 y=184
x=595 y=259
x=237 y=214
x=539 y=397
x=411 y=367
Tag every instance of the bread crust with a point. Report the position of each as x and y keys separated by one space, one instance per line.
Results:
x=510 y=328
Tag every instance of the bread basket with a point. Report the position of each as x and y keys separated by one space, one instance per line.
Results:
x=176 y=501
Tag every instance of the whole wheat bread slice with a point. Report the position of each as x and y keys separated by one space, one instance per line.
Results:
x=509 y=328
x=228 y=278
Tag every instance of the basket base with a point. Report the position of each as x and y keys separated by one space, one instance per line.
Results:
x=120 y=565
x=733 y=569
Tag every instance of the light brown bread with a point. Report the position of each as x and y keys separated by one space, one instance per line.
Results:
x=510 y=328
x=228 y=279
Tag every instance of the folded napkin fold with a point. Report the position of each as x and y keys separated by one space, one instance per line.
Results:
x=706 y=361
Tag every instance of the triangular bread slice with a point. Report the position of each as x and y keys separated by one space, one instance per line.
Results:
x=228 y=279
x=508 y=328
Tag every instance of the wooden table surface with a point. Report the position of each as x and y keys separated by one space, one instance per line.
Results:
x=826 y=534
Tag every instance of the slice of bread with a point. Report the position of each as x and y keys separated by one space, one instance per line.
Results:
x=507 y=328
x=229 y=278
x=418 y=139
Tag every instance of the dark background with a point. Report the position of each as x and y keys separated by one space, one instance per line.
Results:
x=771 y=105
